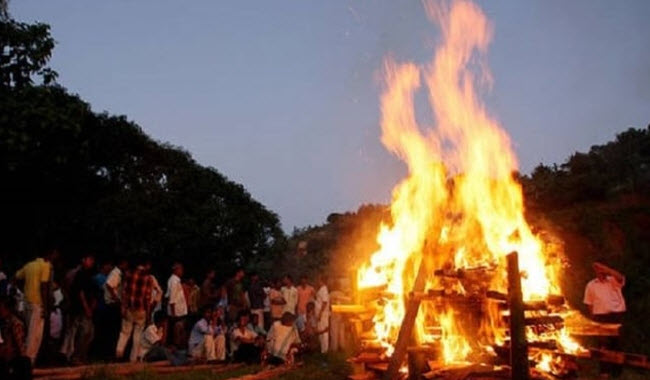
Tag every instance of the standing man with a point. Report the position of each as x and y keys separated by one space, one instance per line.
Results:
x=236 y=295
x=290 y=295
x=256 y=294
x=83 y=301
x=136 y=300
x=306 y=294
x=176 y=306
x=323 y=313
x=113 y=309
x=606 y=304
x=36 y=274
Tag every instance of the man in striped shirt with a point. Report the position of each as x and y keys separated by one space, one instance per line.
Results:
x=136 y=301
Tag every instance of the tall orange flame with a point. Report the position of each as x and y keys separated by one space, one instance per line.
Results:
x=460 y=190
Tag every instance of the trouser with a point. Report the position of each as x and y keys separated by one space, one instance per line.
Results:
x=247 y=353
x=260 y=316
x=324 y=338
x=337 y=332
x=132 y=325
x=210 y=348
x=78 y=338
x=157 y=353
x=35 y=325
x=177 y=334
x=609 y=343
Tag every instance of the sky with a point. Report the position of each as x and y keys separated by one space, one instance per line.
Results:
x=283 y=96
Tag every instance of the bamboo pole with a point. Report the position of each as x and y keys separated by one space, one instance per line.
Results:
x=406 y=330
x=518 y=344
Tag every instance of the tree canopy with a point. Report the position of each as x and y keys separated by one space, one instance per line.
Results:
x=81 y=181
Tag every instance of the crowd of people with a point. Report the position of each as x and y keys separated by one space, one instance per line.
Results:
x=119 y=311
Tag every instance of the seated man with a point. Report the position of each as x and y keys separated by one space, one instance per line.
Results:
x=151 y=343
x=245 y=343
x=220 y=330
x=201 y=344
x=283 y=340
x=14 y=363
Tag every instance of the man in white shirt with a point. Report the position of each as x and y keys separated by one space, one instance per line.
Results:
x=151 y=343
x=112 y=295
x=604 y=298
x=290 y=295
x=323 y=313
x=283 y=340
x=244 y=343
x=201 y=344
x=176 y=305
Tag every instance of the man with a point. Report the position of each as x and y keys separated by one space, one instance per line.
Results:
x=276 y=301
x=102 y=344
x=283 y=340
x=245 y=345
x=209 y=295
x=256 y=294
x=112 y=292
x=36 y=275
x=604 y=299
x=152 y=343
x=83 y=301
x=236 y=295
x=290 y=295
x=14 y=364
x=136 y=300
x=201 y=345
x=176 y=305
x=323 y=313
x=306 y=294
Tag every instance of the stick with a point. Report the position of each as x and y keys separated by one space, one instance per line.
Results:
x=518 y=345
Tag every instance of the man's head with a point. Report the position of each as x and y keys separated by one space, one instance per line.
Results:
x=322 y=280
x=311 y=307
x=88 y=261
x=288 y=281
x=239 y=274
x=159 y=318
x=177 y=269
x=600 y=270
x=206 y=312
x=106 y=267
x=211 y=274
x=288 y=318
x=243 y=319
x=254 y=277
x=303 y=280
x=123 y=264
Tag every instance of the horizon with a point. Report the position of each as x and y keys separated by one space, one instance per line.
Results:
x=306 y=153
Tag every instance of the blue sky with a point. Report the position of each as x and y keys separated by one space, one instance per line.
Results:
x=282 y=96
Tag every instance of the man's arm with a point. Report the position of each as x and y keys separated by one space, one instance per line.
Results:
x=611 y=272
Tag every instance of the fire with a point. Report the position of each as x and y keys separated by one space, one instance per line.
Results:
x=459 y=198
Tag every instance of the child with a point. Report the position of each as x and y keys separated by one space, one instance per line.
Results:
x=151 y=344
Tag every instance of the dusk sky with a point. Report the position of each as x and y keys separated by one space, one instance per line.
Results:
x=282 y=96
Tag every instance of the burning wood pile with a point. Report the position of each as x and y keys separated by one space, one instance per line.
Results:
x=444 y=286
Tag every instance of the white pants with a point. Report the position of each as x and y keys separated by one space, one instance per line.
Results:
x=132 y=324
x=35 y=325
x=324 y=338
x=260 y=314
x=210 y=348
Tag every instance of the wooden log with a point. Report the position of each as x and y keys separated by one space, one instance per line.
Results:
x=412 y=306
x=518 y=345
x=541 y=320
x=349 y=309
x=493 y=294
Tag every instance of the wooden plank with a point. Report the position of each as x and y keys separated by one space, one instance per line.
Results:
x=518 y=344
x=412 y=306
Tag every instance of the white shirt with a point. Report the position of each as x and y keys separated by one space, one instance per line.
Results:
x=237 y=334
x=176 y=297
x=281 y=338
x=605 y=296
x=322 y=297
x=290 y=296
x=150 y=336
x=114 y=280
